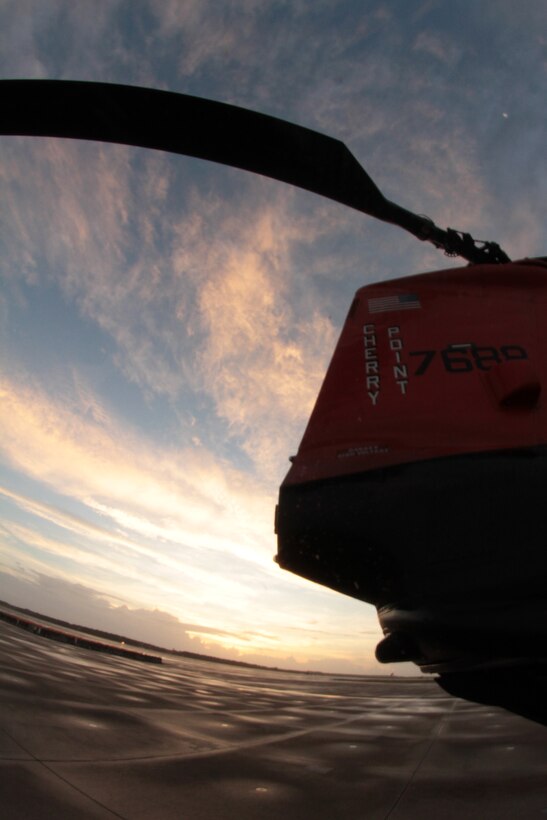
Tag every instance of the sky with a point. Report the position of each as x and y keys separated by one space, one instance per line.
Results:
x=165 y=323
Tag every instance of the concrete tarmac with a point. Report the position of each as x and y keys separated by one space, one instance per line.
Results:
x=86 y=735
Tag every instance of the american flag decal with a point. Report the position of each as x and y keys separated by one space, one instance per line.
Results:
x=402 y=301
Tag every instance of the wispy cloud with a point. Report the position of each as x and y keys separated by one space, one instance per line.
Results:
x=441 y=48
x=291 y=647
x=206 y=305
x=179 y=495
x=262 y=362
x=62 y=598
x=203 y=303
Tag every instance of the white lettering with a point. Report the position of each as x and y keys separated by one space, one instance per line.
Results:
x=395 y=344
x=371 y=362
x=403 y=385
x=393 y=331
x=400 y=372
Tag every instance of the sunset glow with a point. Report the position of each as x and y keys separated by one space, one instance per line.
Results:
x=165 y=323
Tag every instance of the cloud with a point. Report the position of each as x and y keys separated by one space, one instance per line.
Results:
x=84 y=606
x=178 y=495
x=202 y=306
x=81 y=604
x=131 y=571
x=214 y=298
x=141 y=572
x=65 y=40
x=68 y=521
x=21 y=20
x=208 y=34
x=441 y=48
x=261 y=361
x=180 y=519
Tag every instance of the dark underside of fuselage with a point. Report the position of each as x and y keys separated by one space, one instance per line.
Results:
x=452 y=552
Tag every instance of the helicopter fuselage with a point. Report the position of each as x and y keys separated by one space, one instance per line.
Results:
x=420 y=481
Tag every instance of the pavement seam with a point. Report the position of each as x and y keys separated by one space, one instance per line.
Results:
x=251 y=744
x=34 y=759
x=435 y=734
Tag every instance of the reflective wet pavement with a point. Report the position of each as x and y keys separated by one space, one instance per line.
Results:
x=87 y=735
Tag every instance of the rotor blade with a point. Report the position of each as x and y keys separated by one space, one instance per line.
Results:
x=200 y=128
x=221 y=133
